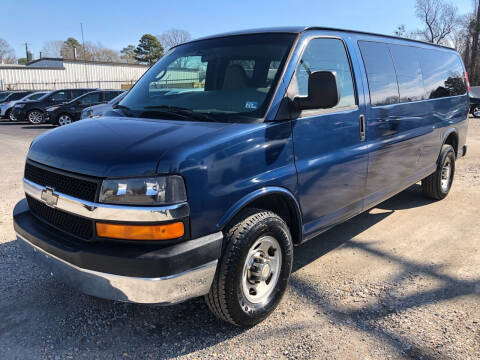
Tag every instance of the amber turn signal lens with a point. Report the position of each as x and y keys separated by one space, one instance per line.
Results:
x=140 y=232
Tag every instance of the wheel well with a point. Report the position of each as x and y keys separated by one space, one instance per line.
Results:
x=452 y=140
x=284 y=207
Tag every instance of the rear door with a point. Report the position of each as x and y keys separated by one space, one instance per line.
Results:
x=399 y=131
x=330 y=156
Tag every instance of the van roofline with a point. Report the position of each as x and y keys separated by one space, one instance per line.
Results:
x=301 y=29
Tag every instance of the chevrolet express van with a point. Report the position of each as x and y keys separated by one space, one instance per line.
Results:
x=232 y=149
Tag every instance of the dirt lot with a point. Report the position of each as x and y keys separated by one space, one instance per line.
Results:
x=401 y=281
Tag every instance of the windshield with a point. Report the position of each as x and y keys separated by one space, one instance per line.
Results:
x=34 y=96
x=117 y=98
x=475 y=91
x=45 y=96
x=4 y=96
x=222 y=79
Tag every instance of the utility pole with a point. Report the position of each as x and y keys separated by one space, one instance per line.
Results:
x=26 y=50
x=84 y=56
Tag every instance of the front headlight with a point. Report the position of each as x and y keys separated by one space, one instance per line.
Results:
x=162 y=190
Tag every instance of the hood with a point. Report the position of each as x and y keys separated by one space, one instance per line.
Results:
x=117 y=147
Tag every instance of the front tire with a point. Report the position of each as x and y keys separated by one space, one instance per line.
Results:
x=9 y=115
x=253 y=273
x=438 y=185
x=476 y=111
x=64 y=119
x=35 y=117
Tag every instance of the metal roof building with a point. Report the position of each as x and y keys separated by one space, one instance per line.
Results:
x=51 y=73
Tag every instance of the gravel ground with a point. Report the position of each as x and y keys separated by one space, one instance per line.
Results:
x=400 y=281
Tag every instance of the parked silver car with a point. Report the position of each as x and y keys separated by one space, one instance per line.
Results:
x=6 y=107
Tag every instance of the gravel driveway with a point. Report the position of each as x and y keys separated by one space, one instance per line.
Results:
x=400 y=281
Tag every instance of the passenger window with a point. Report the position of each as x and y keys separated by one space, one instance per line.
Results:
x=382 y=81
x=409 y=73
x=327 y=55
x=442 y=73
x=186 y=72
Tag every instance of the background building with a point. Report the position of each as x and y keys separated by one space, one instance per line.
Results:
x=50 y=74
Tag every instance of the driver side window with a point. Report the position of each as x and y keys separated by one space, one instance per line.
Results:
x=325 y=54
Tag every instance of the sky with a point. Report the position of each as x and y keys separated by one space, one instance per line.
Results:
x=116 y=24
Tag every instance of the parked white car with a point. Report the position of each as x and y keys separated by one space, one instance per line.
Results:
x=7 y=106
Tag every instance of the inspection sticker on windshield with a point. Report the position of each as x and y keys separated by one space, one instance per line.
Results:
x=251 y=105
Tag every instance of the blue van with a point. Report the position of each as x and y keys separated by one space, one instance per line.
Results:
x=232 y=149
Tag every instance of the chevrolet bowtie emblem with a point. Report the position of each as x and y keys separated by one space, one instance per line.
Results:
x=49 y=197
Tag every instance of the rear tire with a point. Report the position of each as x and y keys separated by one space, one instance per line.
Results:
x=253 y=273
x=438 y=185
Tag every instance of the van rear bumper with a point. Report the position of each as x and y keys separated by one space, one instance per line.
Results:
x=165 y=275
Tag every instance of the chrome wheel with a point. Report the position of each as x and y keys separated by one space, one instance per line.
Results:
x=262 y=269
x=476 y=111
x=64 y=120
x=11 y=116
x=35 y=117
x=446 y=175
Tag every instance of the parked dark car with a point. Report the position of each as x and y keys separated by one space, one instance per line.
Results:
x=475 y=101
x=203 y=184
x=102 y=109
x=68 y=112
x=34 y=111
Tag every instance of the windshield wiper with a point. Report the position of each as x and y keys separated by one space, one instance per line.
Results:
x=181 y=111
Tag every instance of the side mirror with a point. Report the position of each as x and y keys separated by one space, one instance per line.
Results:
x=322 y=92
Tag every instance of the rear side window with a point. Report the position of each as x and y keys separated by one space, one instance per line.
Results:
x=325 y=54
x=409 y=73
x=442 y=73
x=382 y=80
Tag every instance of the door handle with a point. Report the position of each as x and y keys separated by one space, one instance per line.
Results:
x=361 y=121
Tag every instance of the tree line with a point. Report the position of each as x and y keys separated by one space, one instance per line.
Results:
x=149 y=49
x=442 y=24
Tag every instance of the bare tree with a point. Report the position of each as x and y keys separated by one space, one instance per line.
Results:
x=440 y=19
x=173 y=37
x=7 y=54
x=474 y=30
x=97 y=52
x=52 y=49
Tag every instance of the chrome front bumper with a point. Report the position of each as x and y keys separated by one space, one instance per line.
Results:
x=160 y=290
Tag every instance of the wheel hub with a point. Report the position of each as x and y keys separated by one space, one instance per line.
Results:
x=262 y=269
x=445 y=176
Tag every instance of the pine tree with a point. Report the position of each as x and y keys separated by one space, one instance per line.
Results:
x=148 y=50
